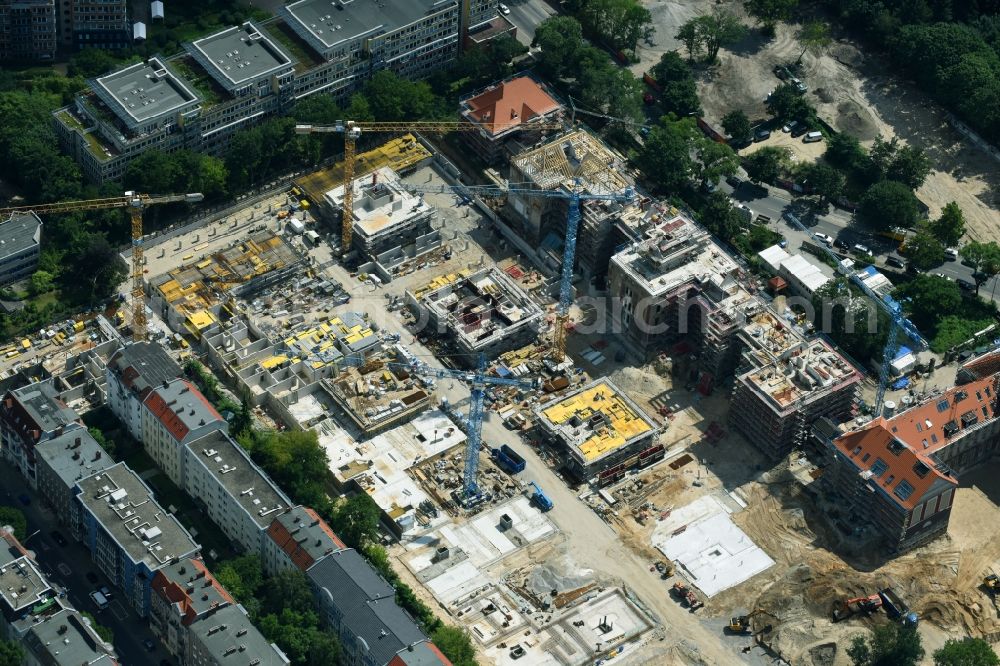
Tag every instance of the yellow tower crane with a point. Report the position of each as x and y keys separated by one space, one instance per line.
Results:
x=135 y=203
x=352 y=132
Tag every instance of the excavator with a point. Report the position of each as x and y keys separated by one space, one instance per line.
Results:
x=992 y=583
x=741 y=624
x=849 y=607
x=686 y=596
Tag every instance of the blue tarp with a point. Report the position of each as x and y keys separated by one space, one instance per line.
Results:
x=870 y=270
x=901 y=383
x=503 y=371
x=903 y=351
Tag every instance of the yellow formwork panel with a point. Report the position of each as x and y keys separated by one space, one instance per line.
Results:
x=623 y=422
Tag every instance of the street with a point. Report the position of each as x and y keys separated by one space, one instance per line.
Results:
x=67 y=567
x=526 y=15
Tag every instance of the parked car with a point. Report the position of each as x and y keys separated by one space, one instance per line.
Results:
x=99 y=600
x=790 y=126
x=951 y=253
x=800 y=129
x=58 y=538
x=943 y=276
x=823 y=238
x=799 y=86
x=967 y=285
x=895 y=262
x=106 y=592
x=734 y=181
x=504 y=9
x=812 y=137
x=762 y=135
x=862 y=249
x=841 y=244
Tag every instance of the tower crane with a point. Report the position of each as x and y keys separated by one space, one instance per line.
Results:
x=574 y=196
x=352 y=131
x=478 y=380
x=898 y=324
x=135 y=203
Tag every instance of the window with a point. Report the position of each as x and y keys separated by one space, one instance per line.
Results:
x=986 y=413
x=879 y=468
x=924 y=442
x=942 y=405
x=889 y=480
x=903 y=490
x=920 y=426
x=979 y=396
x=866 y=457
x=856 y=451
x=934 y=439
x=986 y=390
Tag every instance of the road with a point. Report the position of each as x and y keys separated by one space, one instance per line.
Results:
x=129 y=629
x=774 y=202
x=526 y=15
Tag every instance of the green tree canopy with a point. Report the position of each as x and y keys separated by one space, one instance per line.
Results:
x=709 y=33
x=769 y=12
x=888 y=204
x=924 y=250
x=766 y=164
x=679 y=93
x=966 y=652
x=619 y=23
x=715 y=160
x=719 y=216
x=106 y=634
x=844 y=151
x=984 y=259
x=737 y=125
x=930 y=296
x=825 y=180
x=10 y=654
x=666 y=156
x=41 y=282
x=889 y=160
x=950 y=227
x=786 y=103
x=560 y=38
x=94 y=269
x=357 y=520
x=455 y=644
x=394 y=98
x=13 y=517
x=890 y=644
x=814 y=37
x=295 y=460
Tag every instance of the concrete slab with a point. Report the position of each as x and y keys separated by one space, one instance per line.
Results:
x=457 y=582
x=714 y=553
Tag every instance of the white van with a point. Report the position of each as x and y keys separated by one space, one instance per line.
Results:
x=951 y=253
x=812 y=137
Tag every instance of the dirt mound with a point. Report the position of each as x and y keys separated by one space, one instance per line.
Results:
x=823 y=655
x=856 y=119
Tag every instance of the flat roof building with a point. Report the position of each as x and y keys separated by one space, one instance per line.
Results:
x=20 y=240
x=229 y=637
x=67 y=639
x=146 y=95
x=132 y=372
x=61 y=463
x=481 y=313
x=240 y=57
x=28 y=30
x=22 y=585
x=130 y=536
x=29 y=416
x=597 y=425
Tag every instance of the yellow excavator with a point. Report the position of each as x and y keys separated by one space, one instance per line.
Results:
x=741 y=624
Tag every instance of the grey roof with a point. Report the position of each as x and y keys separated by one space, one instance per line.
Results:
x=149 y=363
x=239 y=54
x=43 y=406
x=65 y=639
x=240 y=477
x=125 y=507
x=306 y=536
x=231 y=639
x=367 y=604
x=191 y=575
x=73 y=456
x=21 y=583
x=18 y=233
x=330 y=23
x=182 y=408
x=144 y=92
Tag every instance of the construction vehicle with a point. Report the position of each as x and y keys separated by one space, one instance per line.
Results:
x=575 y=197
x=540 y=499
x=992 y=583
x=743 y=624
x=897 y=609
x=665 y=569
x=849 y=607
x=508 y=458
x=136 y=204
x=686 y=596
x=352 y=132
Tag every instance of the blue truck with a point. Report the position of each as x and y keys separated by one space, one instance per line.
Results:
x=509 y=459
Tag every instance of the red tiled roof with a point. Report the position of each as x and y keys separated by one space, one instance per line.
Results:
x=301 y=557
x=176 y=594
x=510 y=104
x=983 y=366
x=170 y=419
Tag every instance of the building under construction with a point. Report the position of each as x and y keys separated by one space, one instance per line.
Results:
x=676 y=289
x=190 y=297
x=598 y=427
x=481 y=313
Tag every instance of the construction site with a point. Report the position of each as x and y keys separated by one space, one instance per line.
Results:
x=602 y=473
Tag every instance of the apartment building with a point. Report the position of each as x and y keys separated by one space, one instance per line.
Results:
x=676 y=288
x=504 y=112
x=242 y=75
x=786 y=383
x=30 y=416
x=61 y=463
x=235 y=494
x=27 y=30
x=175 y=414
x=97 y=24
x=360 y=606
x=296 y=539
x=132 y=373
x=22 y=585
x=20 y=240
x=899 y=473
x=129 y=535
x=229 y=637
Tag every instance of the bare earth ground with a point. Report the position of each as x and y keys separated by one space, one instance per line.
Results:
x=852 y=92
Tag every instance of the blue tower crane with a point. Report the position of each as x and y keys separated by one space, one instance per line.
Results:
x=897 y=322
x=574 y=196
x=478 y=380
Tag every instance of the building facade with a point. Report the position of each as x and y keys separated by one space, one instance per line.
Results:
x=27 y=30
x=174 y=415
x=30 y=416
x=132 y=373
x=21 y=236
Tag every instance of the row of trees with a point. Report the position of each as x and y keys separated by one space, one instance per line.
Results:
x=620 y=24
x=896 y=645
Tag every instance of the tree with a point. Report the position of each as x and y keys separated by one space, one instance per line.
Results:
x=153 y=172
x=678 y=91
x=93 y=62
x=666 y=155
x=455 y=644
x=737 y=125
x=769 y=12
x=41 y=282
x=888 y=160
x=13 y=517
x=888 y=204
x=107 y=444
x=844 y=151
x=950 y=227
x=786 y=103
x=890 y=644
x=765 y=165
x=296 y=461
x=560 y=39
x=924 y=250
x=11 y=654
x=814 y=37
x=106 y=634
x=966 y=652
x=94 y=269
x=952 y=331
x=984 y=259
x=289 y=589
x=930 y=296
x=394 y=98
x=620 y=23
x=502 y=52
x=715 y=160
x=690 y=35
x=357 y=520
x=710 y=32
x=719 y=216
x=826 y=181
x=242 y=576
